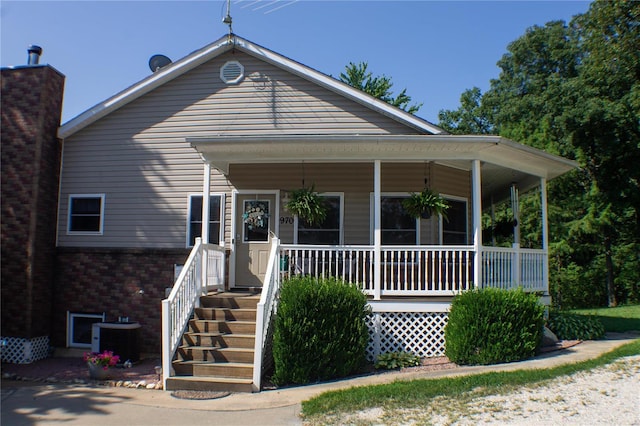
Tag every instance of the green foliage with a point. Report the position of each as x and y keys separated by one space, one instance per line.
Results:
x=574 y=90
x=308 y=205
x=491 y=326
x=320 y=330
x=356 y=75
x=394 y=360
x=568 y=326
x=425 y=203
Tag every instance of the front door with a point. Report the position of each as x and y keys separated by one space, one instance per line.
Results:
x=255 y=223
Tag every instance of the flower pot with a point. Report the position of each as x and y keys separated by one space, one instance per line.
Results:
x=97 y=372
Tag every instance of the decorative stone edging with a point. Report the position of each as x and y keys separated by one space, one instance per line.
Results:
x=142 y=384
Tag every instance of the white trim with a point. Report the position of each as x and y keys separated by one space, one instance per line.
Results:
x=340 y=195
x=188 y=225
x=408 y=306
x=100 y=230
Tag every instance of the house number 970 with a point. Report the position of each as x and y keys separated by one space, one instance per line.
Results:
x=286 y=219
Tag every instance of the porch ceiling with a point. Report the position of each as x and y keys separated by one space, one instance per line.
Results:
x=503 y=161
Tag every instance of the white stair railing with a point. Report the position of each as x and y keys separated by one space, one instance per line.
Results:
x=265 y=310
x=178 y=307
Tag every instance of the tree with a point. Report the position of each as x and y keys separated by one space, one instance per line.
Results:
x=470 y=118
x=574 y=90
x=356 y=75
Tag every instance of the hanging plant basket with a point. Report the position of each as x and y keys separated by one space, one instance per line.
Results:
x=422 y=205
x=307 y=204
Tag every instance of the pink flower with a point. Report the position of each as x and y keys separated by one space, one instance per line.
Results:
x=105 y=359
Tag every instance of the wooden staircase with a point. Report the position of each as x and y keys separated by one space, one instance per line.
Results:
x=217 y=349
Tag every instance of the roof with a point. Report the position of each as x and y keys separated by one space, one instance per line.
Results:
x=218 y=48
x=503 y=160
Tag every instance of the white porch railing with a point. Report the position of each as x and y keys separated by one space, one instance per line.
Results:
x=510 y=267
x=190 y=285
x=405 y=270
x=264 y=314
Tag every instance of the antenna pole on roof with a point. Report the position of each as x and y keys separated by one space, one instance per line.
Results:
x=227 y=19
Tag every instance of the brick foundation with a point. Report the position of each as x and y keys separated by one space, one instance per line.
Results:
x=110 y=281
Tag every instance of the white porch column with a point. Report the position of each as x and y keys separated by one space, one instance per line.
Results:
x=545 y=233
x=206 y=193
x=377 y=232
x=476 y=187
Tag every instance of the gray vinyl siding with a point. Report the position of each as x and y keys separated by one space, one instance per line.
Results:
x=137 y=156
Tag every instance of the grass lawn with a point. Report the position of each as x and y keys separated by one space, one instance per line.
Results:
x=418 y=393
x=619 y=319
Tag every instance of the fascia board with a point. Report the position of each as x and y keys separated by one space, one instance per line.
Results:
x=491 y=149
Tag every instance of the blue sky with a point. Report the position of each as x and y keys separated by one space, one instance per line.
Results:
x=434 y=49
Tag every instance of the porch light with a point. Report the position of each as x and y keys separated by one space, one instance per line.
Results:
x=285 y=200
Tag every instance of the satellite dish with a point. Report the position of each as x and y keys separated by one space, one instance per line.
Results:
x=158 y=61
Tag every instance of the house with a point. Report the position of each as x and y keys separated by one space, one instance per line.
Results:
x=243 y=126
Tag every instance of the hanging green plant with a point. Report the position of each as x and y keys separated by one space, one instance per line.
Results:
x=307 y=204
x=424 y=204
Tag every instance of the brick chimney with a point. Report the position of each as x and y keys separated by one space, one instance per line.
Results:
x=31 y=105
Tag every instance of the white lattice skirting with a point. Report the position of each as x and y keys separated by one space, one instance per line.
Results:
x=420 y=333
x=19 y=350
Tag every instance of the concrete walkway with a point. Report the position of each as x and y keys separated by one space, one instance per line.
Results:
x=29 y=404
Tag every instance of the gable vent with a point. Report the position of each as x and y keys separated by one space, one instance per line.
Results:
x=232 y=72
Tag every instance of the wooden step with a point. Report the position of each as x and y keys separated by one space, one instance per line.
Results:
x=209 y=384
x=219 y=340
x=213 y=369
x=217 y=326
x=230 y=300
x=220 y=355
x=228 y=314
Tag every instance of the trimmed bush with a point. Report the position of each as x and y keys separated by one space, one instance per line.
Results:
x=568 y=326
x=320 y=331
x=491 y=326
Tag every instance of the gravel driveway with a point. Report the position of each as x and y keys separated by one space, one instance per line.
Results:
x=608 y=395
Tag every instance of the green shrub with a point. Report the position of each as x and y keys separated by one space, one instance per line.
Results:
x=490 y=326
x=568 y=326
x=393 y=360
x=320 y=331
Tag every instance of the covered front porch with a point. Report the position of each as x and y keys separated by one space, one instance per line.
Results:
x=370 y=246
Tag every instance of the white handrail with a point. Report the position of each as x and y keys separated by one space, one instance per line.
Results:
x=184 y=296
x=265 y=310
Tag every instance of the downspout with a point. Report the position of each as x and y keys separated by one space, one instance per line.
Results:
x=476 y=184
x=377 y=232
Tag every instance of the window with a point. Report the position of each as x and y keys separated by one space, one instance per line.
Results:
x=195 y=218
x=398 y=227
x=256 y=220
x=329 y=231
x=79 y=328
x=454 y=229
x=86 y=214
